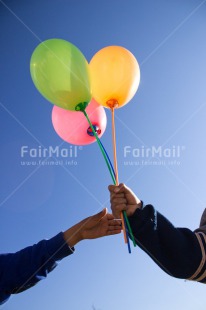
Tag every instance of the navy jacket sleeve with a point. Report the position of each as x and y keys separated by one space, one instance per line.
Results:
x=175 y=250
x=21 y=270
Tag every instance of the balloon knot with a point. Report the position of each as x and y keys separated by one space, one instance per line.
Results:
x=81 y=106
x=112 y=103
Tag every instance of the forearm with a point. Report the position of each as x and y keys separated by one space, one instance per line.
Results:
x=23 y=269
x=73 y=235
x=175 y=250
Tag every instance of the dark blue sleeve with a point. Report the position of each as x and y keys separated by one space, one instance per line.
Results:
x=175 y=250
x=21 y=270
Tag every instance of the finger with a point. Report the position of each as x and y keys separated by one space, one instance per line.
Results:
x=122 y=188
x=113 y=232
x=114 y=188
x=111 y=228
x=115 y=223
x=111 y=188
x=116 y=210
x=118 y=207
x=117 y=195
x=119 y=227
x=117 y=201
x=110 y=216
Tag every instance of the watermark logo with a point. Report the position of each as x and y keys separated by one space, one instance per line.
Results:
x=154 y=155
x=50 y=156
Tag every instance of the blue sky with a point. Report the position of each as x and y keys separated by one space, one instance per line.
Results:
x=168 y=112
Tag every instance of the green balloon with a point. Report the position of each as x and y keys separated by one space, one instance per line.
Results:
x=60 y=72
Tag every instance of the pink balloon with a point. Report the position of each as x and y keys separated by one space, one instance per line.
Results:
x=74 y=128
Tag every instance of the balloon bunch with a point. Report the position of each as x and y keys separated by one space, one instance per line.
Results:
x=62 y=75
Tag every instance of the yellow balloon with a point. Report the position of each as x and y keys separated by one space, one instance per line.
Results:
x=115 y=76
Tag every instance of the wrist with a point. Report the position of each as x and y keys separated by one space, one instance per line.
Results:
x=132 y=208
x=73 y=235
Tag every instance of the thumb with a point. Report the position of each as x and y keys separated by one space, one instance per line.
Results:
x=97 y=217
x=122 y=188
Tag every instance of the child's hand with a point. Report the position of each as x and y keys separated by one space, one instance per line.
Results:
x=96 y=226
x=122 y=198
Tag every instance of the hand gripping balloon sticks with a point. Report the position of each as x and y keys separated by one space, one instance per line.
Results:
x=62 y=75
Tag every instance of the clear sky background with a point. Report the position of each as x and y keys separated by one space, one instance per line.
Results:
x=168 y=38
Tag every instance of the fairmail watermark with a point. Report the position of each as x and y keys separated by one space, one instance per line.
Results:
x=49 y=156
x=153 y=155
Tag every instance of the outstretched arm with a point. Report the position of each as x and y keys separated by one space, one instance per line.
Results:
x=176 y=250
x=21 y=270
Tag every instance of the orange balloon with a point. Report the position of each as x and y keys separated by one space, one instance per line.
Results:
x=115 y=76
